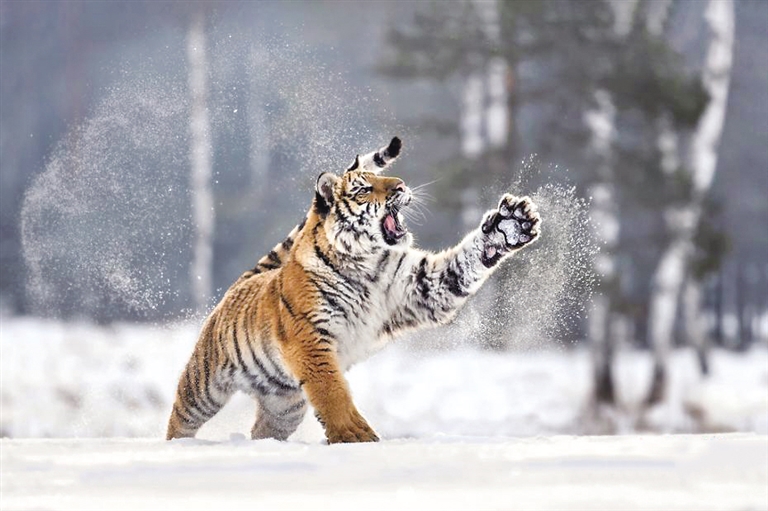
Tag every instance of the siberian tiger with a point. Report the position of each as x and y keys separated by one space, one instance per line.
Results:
x=345 y=282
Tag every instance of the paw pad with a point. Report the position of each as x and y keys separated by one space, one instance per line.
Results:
x=516 y=219
x=511 y=229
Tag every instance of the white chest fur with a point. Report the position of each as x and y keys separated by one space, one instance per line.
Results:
x=360 y=337
x=359 y=330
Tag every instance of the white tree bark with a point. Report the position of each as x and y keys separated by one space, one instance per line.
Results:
x=473 y=141
x=496 y=114
x=717 y=79
x=200 y=150
x=259 y=154
x=485 y=116
x=601 y=122
x=485 y=128
x=672 y=268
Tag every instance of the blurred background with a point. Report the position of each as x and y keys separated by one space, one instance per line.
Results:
x=150 y=152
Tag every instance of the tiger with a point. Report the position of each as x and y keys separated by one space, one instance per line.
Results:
x=345 y=282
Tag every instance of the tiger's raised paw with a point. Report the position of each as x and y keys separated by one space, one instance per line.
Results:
x=515 y=222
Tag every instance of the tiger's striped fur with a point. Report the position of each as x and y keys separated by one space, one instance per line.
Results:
x=346 y=283
x=375 y=162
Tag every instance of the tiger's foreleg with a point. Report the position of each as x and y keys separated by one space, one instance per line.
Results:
x=314 y=362
x=443 y=282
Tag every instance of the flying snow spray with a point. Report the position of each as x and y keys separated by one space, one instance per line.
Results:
x=107 y=223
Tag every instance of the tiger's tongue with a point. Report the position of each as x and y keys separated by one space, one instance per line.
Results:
x=390 y=224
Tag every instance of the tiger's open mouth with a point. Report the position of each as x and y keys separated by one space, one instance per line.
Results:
x=392 y=226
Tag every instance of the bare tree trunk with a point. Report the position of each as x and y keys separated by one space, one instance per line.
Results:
x=473 y=141
x=485 y=115
x=742 y=316
x=665 y=293
x=604 y=212
x=718 y=305
x=695 y=330
x=603 y=350
x=671 y=270
x=496 y=113
x=200 y=159
x=259 y=154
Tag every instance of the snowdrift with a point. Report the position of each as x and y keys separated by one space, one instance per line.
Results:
x=682 y=472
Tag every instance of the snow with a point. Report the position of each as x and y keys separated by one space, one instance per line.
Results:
x=462 y=429
x=680 y=472
x=80 y=380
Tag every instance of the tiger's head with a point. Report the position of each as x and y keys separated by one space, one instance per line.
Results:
x=361 y=208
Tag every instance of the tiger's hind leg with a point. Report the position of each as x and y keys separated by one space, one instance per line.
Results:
x=202 y=392
x=279 y=416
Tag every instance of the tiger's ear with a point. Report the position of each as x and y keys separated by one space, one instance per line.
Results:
x=324 y=193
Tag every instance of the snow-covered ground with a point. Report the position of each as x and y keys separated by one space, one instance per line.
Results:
x=80 y=380
x=462 y=429
x=660 y=472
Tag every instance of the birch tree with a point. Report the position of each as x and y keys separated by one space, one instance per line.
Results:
x=200 y=152
x=672 y=269
x=259 y=154
x=601 y=122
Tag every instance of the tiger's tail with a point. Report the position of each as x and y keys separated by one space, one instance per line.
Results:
x=378 y=161
x=277 y=256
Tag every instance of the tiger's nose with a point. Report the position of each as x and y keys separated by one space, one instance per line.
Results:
x=399 y=187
